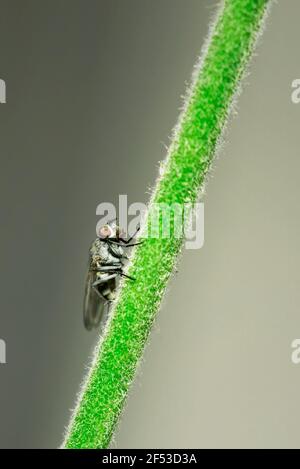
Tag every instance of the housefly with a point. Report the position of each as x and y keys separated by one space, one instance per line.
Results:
x=106 y=264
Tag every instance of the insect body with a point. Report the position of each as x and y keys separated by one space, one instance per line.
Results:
x=106 y=264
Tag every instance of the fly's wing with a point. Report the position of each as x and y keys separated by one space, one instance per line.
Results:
x=93 y=305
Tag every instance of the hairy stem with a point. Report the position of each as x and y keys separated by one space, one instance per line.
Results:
x=216 y=80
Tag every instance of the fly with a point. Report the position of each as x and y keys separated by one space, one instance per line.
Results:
x=106 y=264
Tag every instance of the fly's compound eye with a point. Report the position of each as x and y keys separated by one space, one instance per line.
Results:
x=106 y=231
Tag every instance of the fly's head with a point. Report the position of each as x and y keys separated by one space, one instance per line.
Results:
x=110 y=231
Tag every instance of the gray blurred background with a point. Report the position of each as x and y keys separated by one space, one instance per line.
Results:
x=93 y=91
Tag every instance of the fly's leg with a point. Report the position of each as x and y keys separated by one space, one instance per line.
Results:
x=127 y=276
x=118 y=270
x=109 y=268
x=120 y=243
x=99 y=294
x=104 y=280
x=114 y=272
x=100 y=281
x=132 y=244
x=127 y=241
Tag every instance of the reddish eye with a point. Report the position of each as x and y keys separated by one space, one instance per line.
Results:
x=105 y=231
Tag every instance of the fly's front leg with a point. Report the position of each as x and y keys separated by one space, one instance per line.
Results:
x=122 y=241
x=127 y=241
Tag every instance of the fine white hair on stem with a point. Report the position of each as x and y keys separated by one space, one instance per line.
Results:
x=136 y=306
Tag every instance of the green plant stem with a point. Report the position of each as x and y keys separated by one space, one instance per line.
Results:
x=195 y=140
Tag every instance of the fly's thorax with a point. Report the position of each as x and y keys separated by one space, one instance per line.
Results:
x=99 y=250
x=116 y=250
x=104 y=253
